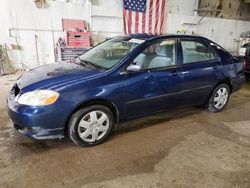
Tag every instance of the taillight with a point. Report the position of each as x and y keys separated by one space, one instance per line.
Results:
x=244 y=64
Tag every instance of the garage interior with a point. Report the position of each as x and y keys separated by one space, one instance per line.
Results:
x=187 y=147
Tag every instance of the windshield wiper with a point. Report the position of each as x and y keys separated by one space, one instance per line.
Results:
x=85 y=63
x=90 y=64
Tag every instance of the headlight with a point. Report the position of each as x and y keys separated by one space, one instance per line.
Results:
x=38 y=98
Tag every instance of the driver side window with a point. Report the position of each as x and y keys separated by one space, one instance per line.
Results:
x=158 y=55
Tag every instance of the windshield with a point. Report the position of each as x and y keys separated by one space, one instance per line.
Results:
x=110 y=52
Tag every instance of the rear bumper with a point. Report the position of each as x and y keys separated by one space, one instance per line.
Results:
x=238 y=82
x=247 y=73
x=38 y=123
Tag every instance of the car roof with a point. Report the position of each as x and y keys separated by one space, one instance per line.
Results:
x=146 y=36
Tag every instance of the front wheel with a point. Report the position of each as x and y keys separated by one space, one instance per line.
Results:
x=219 y=98
x=91 y=125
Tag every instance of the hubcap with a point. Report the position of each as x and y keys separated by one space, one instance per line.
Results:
x=93 y=126
x=221 y=97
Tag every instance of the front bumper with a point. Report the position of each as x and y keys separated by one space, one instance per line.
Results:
x=38 y=123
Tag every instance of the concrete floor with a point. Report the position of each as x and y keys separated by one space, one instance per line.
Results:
x=181 y=148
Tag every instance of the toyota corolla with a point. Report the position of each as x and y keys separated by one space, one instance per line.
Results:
x=120 y=79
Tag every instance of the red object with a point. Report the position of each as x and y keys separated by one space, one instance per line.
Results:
x=75 y=35
x=144 y=16
x=244 y=64
x=78 y=39
x=69 y=24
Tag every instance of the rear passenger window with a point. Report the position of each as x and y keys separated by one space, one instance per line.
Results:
x=158 y=55
x=196 y=52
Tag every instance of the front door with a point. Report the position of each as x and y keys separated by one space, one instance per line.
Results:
x=157 y=86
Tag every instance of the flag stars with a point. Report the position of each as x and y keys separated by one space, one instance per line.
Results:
x=134 y=5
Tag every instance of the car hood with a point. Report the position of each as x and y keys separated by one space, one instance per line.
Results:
x=54 y=73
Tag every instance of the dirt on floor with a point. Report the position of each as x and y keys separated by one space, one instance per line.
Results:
x=187 y=147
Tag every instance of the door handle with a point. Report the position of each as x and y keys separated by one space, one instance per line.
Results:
x=175 y=73
x=148 y=75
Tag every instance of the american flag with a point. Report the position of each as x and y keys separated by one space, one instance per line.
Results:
x=143 y=16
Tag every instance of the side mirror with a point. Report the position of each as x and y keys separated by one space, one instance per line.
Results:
x=133 y=68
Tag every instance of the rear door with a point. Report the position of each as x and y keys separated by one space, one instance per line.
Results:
x=200 y=71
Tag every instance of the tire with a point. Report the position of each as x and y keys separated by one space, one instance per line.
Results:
x=91 y=125
x=219 y=98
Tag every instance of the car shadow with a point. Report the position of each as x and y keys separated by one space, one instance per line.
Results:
x=25 y=146
x=156 y=119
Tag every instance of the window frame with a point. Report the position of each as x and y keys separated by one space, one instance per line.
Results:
x=159 y=68
x=217 y=58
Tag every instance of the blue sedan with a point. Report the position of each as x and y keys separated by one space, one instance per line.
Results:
x=120 y=79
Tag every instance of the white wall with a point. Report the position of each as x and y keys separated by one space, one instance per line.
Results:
x=106 y=19
x=33 y=24
x=225 y=32
x=184 y=7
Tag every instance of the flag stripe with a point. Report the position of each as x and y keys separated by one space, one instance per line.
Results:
x=124 y=21
x=143 y=22
x=162 y=16
x=159 y=20
x=136 y=22
x=147 y=16
x=153 y=16
x=140 y=23
x=150 y=17
x=129 y=22
x=133 y=22
x=156 y=18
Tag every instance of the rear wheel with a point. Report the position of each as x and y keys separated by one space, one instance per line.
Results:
x=91 y=125
x=219 y=98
